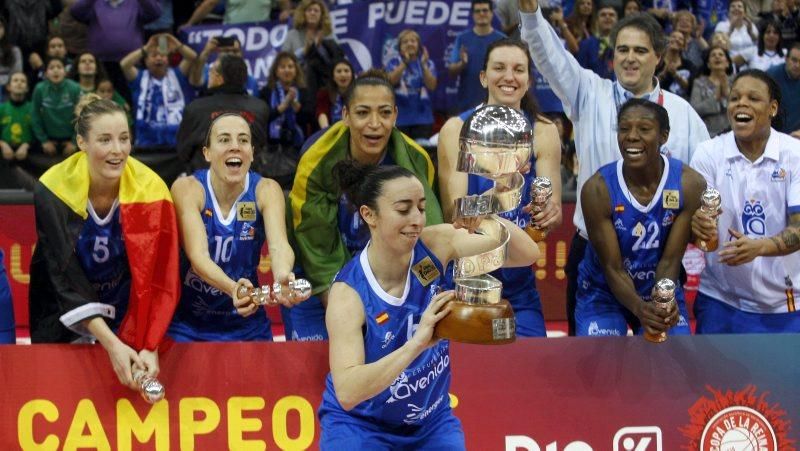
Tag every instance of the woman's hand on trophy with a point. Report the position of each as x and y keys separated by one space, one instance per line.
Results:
x=437 y=309
x=150 y=360
x=655 y=319
x=470 y=223
x=547 y=218
x=242 y=301
x=704 y=226
x=124 y=359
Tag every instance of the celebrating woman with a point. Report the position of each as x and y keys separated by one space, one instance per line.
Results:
x=106 y=261
x=327 y=229
x=747 y=285
x=507 y=78
x=382 y=313
x=225 y=214
x=638 y=214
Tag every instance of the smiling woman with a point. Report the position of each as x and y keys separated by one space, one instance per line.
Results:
x=106 y=260
x=326 y=228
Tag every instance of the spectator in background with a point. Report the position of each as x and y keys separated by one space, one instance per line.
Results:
x=330 y=100
x=710 y=91
x=87 y=72
x=165 y=22
x=227 y=94
x=676 y=72
x=748 y=284
x=312 y=41
x=695 y=45
x=787 y=14
x=592 y=102
x=580 y=24
x=55 y=49
x=236 y=11
x=115 y=29
x=631 y=7
x=466 y=58
x=54 y=101
x=75 y=33
x=289 y=106
x=26 y=23
x=508 y=13
x=198 y=76
x=595 y=52
x=722 y=40
x=742 y=32
x=413 y=75
x=105 y=89
x=770 y=46
x=15 y=120
x=160 y=92
x=10 y=58
x=787 y=76
x=8 y=328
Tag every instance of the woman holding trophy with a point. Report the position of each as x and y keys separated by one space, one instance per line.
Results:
x=225 y=214
x=506 y=75
x=106 y=261
x=382 y=309
x=747 y=285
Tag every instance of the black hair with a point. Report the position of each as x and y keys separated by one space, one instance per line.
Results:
x=99 y=74
x=233 y=70
x=227 y=114
x=772 y=87
x=645 y=23
x=50 y=59
x=795 y=46
x=528 y=103
x=661 y=113
x=762 y=30
x=707 y=54
x=482 y=2
x=331 y=83
x=372 y=77
x=363 y=183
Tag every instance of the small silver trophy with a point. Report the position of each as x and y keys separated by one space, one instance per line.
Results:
x=663 y=296
x=259 y=295
x=710 y=204
x=150 y=388
x=297 y=290
x=541 y=192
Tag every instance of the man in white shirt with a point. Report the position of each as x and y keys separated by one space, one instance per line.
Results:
x=592 y=102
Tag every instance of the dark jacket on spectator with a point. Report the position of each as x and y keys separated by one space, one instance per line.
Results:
x=198 y=115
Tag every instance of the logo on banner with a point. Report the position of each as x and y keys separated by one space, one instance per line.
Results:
x=736 y=421
x=638 y=438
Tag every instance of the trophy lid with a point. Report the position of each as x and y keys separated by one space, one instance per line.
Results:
x=711 y=198
x=664 y=290
x=497 y=126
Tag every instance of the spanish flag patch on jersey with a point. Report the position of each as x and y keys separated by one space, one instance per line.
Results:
x=619 y=208
x=382 y=318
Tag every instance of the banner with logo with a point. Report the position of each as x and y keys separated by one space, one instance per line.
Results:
x=367 y=31
x=704 y=393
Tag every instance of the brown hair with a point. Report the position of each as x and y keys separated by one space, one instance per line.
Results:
x=88 y=108
x=272 y=79
x=325 y=23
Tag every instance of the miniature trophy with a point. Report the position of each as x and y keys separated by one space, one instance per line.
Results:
x=298 y=290
x=663 y=296
x=710 y=203
x=150 y=388
x=541 y=192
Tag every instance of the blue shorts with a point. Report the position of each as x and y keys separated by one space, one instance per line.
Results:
x=716 y=317
x=305 y=321
x=598 y=313
x=530 y=322
x=7 y=324
x=346 y=433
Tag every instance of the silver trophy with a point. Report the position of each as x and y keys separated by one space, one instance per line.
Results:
x=297 y=290
x=710 y=204
x=663 y=296
x=496 y=142
x=259 y=295
x=150 y=388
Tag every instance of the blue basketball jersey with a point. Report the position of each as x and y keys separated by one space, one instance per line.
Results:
x=101 y=252
x=519 y=284
x=235 y=239
x=420 y=392
x=642 y=230
x=353 y=229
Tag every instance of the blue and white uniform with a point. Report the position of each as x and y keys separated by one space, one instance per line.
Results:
x=306 y=321
x=519 y=284
x=642 y=232
x=414 y=412
x=235 y=239
x=101 y=251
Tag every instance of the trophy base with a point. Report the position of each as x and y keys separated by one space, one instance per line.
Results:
x=656 y=338
x=537 y=235
x=486 y=324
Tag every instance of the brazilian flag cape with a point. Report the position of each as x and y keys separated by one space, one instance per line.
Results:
x=58 y=284
x=314 y=200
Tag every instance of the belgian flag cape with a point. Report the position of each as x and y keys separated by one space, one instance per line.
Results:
x=149 y=228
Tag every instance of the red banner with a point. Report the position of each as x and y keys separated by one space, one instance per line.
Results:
x=565 y=394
